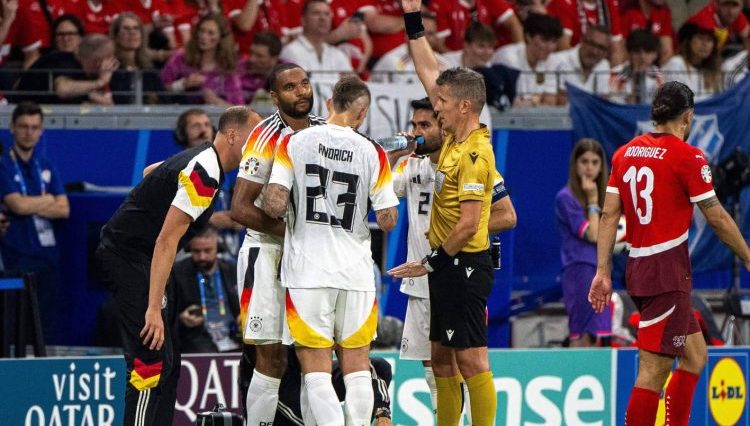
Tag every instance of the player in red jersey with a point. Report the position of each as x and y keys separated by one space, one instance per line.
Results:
x=656 y=179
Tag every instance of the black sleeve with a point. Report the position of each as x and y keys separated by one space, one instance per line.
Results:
x=381 y=373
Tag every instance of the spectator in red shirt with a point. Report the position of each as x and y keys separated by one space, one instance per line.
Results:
x=350 y=32
x=727 y=17
x=244 y=16
x=522 y=8
x=9 y=9
x=386 y=28
x=454 y=17
x=95 y=14
x=655 y=16
x=577 y=16
x=31 y=32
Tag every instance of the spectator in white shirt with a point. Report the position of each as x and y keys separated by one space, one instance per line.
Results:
x=735 y=68
x=397 y=66
x=636 y=81
x=479 y=43
x=537 y=83
x=310 y=51
x=698 y=64
x=585 y=66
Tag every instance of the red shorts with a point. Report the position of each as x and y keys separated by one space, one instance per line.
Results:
x=666 y=321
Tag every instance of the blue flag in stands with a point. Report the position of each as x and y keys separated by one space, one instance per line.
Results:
x=721 y=124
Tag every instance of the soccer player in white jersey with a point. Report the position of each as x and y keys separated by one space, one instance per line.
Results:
x=261 y=294
x=333 y=175
x=414 y=178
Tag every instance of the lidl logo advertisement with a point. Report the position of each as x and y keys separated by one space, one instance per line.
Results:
x=727 y=392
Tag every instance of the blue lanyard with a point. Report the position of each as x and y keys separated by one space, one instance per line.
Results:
x=219 y=292
x=22 y=180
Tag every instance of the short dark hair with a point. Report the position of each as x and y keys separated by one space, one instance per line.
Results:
x=234 y=116
x=642 y=40
x=68 y=17
x=465 y=84
x=270 y=40
x=671 y=100
x=546 y=26
x=308 y=3
x=26 y=108
x=180 y=131
x=277 y=70
x=478 y=32
x=347 y=91
x=423 y=103
x=206 y=231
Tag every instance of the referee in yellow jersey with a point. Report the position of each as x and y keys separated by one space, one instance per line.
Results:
x=459 y=267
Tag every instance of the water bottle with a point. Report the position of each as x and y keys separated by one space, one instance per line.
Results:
x=397 y=142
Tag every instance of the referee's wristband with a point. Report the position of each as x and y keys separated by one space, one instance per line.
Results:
x=413 y=25
x=436 y=260
x=383 y=412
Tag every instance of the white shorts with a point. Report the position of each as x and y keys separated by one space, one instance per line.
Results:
x=415 y=343
x=322 y=317
x=261 y=293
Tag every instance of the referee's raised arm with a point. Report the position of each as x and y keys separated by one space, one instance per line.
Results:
x=421 y=52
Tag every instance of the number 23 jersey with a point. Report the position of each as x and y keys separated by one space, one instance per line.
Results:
x=335 y=174
x=659 y=177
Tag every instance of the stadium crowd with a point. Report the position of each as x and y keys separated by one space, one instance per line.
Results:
x=221 y=52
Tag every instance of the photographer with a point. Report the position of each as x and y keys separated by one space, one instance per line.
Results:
x=206 y=293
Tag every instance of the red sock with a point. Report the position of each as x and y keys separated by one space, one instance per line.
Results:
x=679 y=397
x=642 y=407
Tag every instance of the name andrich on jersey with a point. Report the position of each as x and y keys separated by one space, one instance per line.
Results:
x=335 y=154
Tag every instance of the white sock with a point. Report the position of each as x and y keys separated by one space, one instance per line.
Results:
x=262 y=399
x=323 y=401
x=359 y=398
x=467 y=403
x=430 y=377
x=304 y=405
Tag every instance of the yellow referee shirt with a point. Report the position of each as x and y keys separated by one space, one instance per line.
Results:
x=465 y=172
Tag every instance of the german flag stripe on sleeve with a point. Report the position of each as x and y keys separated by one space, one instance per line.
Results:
x=282 y=155
x=199 y=186
x=401 y=166
x=384 y=171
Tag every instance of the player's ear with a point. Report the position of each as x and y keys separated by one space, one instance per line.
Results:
x=329 y=105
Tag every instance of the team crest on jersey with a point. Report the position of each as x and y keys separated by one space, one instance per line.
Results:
x=255 y=324
x=251 y=166
x=704 y=134
x=404 y=344
x=706 y=174
x=439 y=179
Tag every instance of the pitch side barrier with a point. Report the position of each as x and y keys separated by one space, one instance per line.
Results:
x=534 y=387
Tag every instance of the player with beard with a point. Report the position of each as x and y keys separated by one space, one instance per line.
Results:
x=414 y=178
x=261 y=295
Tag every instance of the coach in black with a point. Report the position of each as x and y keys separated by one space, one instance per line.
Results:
x=137 y=250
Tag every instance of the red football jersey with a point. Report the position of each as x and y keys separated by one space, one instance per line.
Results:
x=658 y=178
x=710 y=13
x=95 y=18
x=660 y=21
x=454 y=17
x=574 y=15
x=384 y=43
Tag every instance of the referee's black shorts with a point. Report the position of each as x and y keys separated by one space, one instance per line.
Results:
x=458 y=301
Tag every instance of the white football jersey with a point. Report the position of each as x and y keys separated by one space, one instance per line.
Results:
x=334 y=174
x=414 y=178
x=257 y=160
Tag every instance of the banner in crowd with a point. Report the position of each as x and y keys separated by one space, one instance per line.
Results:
x=720 y=126
x=390 y=106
